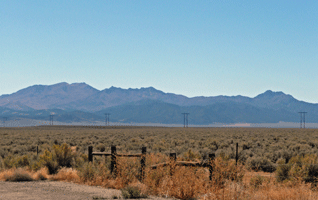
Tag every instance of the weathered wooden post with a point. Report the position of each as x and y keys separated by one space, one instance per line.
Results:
x=211 y=158
x=90 y=154
x=236 y=156
x=173 y=159
x=113 y=160
x=37 y=150
x=143 y=162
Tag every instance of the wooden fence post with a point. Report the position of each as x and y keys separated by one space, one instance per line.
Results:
x=236 y=156
x=173 y=159
x=37 y=150
x=90 y=154
x=211 y=158
x=143 y=162
x=113 y=160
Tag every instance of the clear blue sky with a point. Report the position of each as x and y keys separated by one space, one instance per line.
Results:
x=194 y=48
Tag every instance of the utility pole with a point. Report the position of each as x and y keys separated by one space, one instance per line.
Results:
x=107 y=119
x=51 y=119
x=4 y=121
x=185 y=120
x=302 y=119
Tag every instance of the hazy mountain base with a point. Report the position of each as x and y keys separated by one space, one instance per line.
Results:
x=31 y=122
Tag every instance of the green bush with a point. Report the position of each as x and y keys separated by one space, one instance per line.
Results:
x=311 y=173
x=8 y=161
x=22 y=161
x=1 y=164
x=260 y=163
x=87 y=172
x=305 y=167
x=48 y=159
x=61 y=156
x=282 y=170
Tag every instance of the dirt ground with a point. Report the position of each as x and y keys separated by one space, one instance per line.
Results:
x=54 y=190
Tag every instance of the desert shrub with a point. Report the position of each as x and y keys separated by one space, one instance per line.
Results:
x=154 y=178
x=282 y=172
x=48 y=160
x=131 y=192
x=2 y=153
x=244 y=155
x=299 y=167
x=286 y=155
x=311 y=173
x=305 y=167
x=79 y=160
x=31 y=148
x=226 y=170
x=185 y=183
x=18 y=175
x=22 y=161
x=212 y=144
x=101 y=147
x=87 y=172
x=8 y=161
x=246 y=146
x=258 y=181
x=61 y=156
x=128 y=169
x=260 y=163
x=191 y=155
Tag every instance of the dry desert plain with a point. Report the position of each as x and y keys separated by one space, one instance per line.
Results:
x=272 y=163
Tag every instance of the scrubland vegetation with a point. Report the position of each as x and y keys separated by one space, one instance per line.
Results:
x=273 y=163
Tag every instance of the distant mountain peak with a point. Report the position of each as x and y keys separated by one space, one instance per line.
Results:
x=270 y=93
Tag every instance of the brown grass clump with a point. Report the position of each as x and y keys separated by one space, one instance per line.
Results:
x=66 y=174
x=192 y=182
x=275 y=191
x=185 y=183
x=23 y=174
x=16 y=175
x=41 y=174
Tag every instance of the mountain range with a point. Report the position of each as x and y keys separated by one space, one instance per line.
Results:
x=80 y=102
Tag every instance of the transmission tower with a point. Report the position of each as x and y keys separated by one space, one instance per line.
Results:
x=51 y=119
x=4 y=121
x=185 y=120
x=302 y=119
x=107 y=119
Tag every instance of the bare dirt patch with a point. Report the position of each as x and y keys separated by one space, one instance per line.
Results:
x=53 y=190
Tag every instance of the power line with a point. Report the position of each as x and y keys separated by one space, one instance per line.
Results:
x=107 y=119
x=51 y=119
x=4 y=121
x=302 y=119
x=185 y=120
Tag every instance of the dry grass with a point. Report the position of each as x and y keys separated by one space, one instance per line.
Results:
x=66 y=174
x=186 y=182
x=23 y=174
x=229 y=181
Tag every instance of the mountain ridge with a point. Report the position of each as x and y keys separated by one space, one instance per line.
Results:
x=82 y=98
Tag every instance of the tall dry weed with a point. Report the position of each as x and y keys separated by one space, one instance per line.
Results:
x=66 y=174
